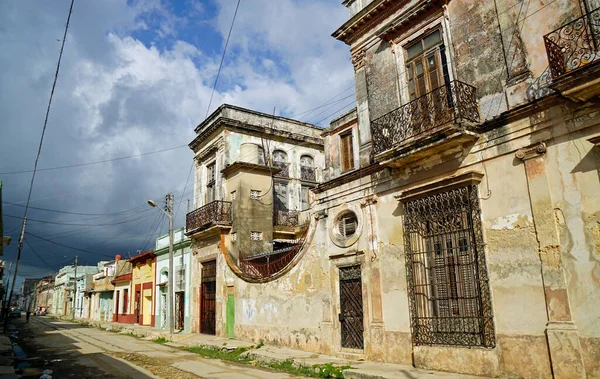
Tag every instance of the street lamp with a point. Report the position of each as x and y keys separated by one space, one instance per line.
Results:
x=170 y=297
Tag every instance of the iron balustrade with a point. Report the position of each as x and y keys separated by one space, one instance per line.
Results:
x=214 y=213
x=308 y=173
x=286 y=218
x=454 y=102
x=574 y=45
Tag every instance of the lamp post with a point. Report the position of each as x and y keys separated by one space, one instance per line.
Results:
x=170 y=297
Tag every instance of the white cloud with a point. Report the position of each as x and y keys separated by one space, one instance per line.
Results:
x=117 y=96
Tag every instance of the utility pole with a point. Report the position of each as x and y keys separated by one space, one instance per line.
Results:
x=171 y=292
x=171 y=272
x=12 y=285
x=75 y=289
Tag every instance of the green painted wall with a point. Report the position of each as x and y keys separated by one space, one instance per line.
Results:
x=230 y=316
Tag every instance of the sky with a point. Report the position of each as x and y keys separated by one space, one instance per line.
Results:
x=136 y=77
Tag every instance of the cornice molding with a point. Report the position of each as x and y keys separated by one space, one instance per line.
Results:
x=471 y=177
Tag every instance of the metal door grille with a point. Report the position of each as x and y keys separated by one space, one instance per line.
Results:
x=208 y=297
x=446 y=271
x=351 y=307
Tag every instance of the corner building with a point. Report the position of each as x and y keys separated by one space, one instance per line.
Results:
x=457 y=223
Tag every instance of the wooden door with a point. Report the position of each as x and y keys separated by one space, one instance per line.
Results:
x=351 y=308
x=208 y=291
x=138 y=306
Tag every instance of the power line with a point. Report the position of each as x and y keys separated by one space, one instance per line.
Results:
x=20 y=243
x=222 y=59
x=67 y=246
x=96 y=162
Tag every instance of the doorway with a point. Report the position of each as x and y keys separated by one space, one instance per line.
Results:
x=179 y=310
x=208 y=290
x=138 y=299
x=351 y=308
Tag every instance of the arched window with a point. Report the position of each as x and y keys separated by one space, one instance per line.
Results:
x=307 y=168
x=280 y=161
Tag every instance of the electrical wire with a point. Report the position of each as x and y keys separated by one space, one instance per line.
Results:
x=96 y=162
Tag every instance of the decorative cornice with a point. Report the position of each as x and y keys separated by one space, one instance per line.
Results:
x=348 y=177
x=471 y=177
x=319 y=215
x=212 y=149
x=364 y=20
x=531 y=151
x=369 y=200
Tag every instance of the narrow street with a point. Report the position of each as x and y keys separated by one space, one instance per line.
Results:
x=76 y=351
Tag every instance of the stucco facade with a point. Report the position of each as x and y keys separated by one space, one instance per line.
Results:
x=473 y=205
x=181 y=280
x=142 y=295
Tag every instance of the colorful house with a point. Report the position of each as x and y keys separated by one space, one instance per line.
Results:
x=143 y=276
x=181 y=280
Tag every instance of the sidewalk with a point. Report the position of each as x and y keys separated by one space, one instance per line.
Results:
x=7 y=369
x=271 y=354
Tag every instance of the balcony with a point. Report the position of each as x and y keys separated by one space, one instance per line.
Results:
x=308 y=173
x=432 y=123
x=289 y=219
x=573 y=53
x=216 y=213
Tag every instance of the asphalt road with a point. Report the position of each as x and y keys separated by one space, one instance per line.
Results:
x=76 y=351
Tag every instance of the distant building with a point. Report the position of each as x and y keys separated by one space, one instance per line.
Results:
x=44 y=290
x=27 y=294
x=64 y=288
x=181 y=280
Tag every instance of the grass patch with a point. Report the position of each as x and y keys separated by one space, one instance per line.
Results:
x=326 y=370
x=132 y=334
x=160 y=340
x=223 y=354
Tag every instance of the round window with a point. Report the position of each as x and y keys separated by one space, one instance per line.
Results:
x=347 y=224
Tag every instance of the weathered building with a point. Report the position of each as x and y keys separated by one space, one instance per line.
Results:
x=64 y=288
x=458 y=225
x=181 y=280
x=44 y=293
x=253 y=177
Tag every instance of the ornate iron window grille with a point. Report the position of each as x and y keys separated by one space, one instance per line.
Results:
x=574 y=45
x=214 y=213
x=455 y=102
x=284 y=169
x=308 y=173
x=446 y=272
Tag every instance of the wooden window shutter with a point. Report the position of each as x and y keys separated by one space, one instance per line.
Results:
x=347 y=152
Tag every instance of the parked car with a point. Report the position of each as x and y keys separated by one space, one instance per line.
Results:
x=15 y=312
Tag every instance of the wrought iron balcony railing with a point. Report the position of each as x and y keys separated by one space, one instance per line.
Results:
x=284 y=169
x=455 y=102
x=308 y=173
x=286 y=218
x=214 y=213
x=574 y=45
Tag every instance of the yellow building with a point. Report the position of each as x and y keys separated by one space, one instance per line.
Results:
x=142 y=284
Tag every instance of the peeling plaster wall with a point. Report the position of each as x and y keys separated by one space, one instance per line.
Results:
x=300 y=309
